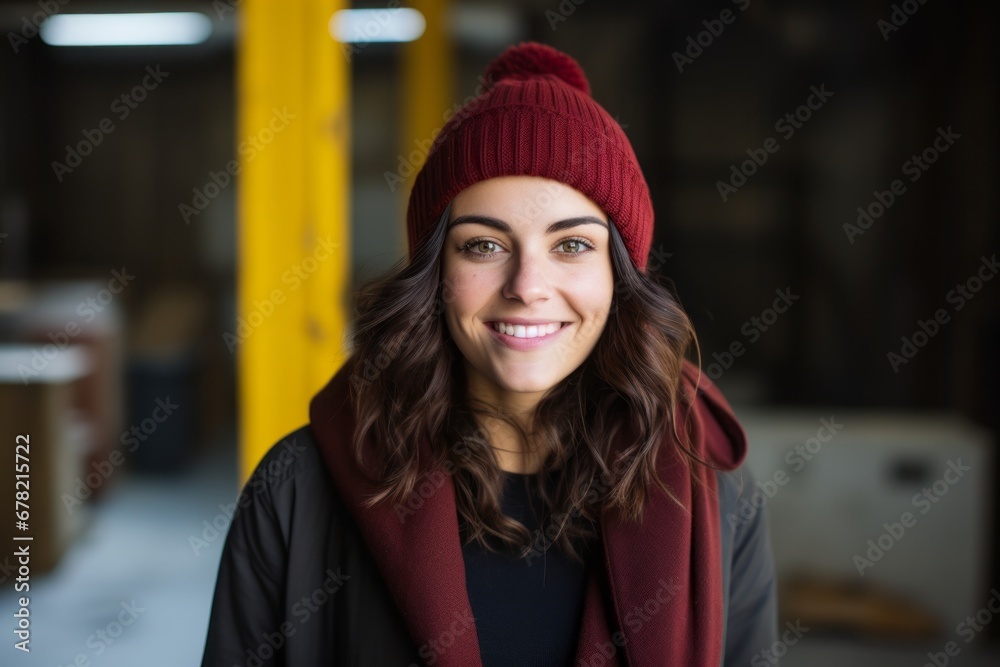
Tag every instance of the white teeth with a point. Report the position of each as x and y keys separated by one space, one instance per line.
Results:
x=526 y=331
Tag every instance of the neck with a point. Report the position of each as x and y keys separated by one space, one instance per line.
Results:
x=503 y=437
x=509 y=447
x=521 y=463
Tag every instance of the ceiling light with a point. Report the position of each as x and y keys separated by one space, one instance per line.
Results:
x=126 y=29
x=354 y=26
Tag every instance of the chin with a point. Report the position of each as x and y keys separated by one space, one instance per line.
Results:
x=527 y=382
x=530 y=388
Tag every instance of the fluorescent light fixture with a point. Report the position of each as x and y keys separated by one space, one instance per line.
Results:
x=361 y=26
x=126 y=29
x=487 y=27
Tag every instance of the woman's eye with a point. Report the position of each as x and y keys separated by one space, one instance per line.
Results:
x=480 y=248
x=488 y=248
x=576 y=246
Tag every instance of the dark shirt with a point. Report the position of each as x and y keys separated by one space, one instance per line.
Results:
x=296 y=537
x=527 y=610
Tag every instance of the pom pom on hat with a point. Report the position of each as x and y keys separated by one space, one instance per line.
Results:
x=535 y=117
x=530 y=59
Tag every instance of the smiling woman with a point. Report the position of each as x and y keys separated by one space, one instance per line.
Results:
x=528 y=312
x=518 y=390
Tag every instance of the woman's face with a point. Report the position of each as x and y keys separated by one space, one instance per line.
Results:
x=533 y=254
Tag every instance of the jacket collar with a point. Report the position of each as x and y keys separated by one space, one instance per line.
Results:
x=657 y=600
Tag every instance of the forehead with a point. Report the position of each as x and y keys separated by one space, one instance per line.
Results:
x=524 y=200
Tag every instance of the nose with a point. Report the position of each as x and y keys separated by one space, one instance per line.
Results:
x=528 y=280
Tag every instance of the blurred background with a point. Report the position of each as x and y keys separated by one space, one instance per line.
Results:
x=183 y=223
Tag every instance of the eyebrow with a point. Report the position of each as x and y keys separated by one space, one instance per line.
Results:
x=557 y=226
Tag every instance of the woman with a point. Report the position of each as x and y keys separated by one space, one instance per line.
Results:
x=516 y=466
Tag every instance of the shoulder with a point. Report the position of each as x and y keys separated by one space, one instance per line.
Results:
x=293 y=456
x=749 y=581
x=291 y=467
x=736 y=501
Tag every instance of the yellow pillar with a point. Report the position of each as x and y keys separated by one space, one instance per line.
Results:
x=428 y=90
x=294 y=247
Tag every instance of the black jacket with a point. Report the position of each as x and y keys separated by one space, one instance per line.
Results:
x=297 y=586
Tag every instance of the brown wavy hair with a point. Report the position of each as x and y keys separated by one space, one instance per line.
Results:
x=408 y=383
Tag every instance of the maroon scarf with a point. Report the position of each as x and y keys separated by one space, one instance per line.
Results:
x=664 y=574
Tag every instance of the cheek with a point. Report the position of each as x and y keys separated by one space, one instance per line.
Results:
x=470 y=284
x=467 y=295
x=595 y=293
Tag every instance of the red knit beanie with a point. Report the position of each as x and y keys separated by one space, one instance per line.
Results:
x=536 y=117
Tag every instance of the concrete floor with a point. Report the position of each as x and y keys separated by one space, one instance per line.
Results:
x=136 y=555
x=837 y=653
x=134 y=561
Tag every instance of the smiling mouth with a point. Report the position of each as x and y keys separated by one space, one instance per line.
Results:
x=528 y=330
